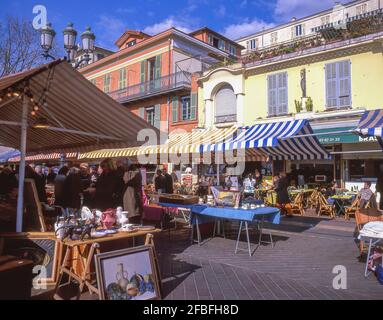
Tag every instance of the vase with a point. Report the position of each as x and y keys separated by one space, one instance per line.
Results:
x=122 y=277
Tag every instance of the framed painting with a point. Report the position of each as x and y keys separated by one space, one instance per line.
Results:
x=129 y=274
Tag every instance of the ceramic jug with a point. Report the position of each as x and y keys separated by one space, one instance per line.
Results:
x=108 y=219
x=122 y=277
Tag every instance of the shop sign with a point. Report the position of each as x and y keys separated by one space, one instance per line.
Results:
x=368 y=139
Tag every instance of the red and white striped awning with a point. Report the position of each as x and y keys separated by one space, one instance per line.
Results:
x=41 y=157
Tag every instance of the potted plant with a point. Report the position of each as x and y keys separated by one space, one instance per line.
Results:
x=298 y=106
x=309 y=105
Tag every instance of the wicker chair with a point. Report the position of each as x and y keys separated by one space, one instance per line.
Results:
x=297 y=205
x=325 y=208
x=364 y=216
x=351 y=210
x=313 y=200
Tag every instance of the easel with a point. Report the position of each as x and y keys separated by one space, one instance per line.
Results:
x=85 y=251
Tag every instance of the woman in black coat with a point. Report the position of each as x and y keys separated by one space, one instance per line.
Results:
x=280 y=188
x=109 y=187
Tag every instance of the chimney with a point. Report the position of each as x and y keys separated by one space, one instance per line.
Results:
x=293 y=19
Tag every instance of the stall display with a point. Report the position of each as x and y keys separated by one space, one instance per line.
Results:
x=179 y=199
x=84 y=252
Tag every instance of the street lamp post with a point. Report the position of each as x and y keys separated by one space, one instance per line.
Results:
x=70 y=35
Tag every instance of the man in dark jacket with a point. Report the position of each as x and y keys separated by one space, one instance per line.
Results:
x=160 y=182
x=168 y=183
x=280 y=188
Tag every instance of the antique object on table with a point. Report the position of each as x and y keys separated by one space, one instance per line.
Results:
x=74 y=231
x=15 y=278
x=179 y=199
x=122 y=217
x=87 y=215
x=109 y=218
x=226 y=198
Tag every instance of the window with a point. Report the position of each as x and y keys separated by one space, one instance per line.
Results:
x=252 y=44
x=221 y=45
x=338 y=84
x=277 y=94
x=216 y=42
x=131 y=43
x=185 y=108
x=150 y=115
x=225 y=105
x=297 y=31
x=274 y=37
x=122 y=80
x=361 y=9
x=325 y=20
x=233 y=50
x=107 y=80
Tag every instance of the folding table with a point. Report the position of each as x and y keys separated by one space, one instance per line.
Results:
x=203 y=214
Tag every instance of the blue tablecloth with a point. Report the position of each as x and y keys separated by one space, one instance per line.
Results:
x=207 y=214
x=270 y=214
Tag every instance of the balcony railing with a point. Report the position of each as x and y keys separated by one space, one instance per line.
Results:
x=226 y=118
x=355 y=27
x=172 y=82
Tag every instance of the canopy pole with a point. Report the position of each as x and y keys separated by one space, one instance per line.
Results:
x=23 y=147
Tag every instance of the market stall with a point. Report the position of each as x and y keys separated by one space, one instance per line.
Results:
x=53 y=108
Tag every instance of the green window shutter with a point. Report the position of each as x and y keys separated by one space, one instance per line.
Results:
x=141 y=113
x=175 y=110
x=157 y=116
x=158 y=67
x=143 y=71
x=193 y=106
x=143 y=75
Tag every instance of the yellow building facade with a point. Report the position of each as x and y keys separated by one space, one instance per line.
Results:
x=251 y=86
x=342 y=79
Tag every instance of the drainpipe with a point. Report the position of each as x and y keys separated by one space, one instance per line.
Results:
x=171 y=58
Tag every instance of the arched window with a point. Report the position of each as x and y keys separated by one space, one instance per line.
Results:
x=225 y=105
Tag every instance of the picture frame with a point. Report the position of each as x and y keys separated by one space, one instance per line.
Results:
x=33 y=219
x=42 y=248
x=128 y=274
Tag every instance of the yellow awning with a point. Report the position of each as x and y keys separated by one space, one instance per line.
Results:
x=178 y=143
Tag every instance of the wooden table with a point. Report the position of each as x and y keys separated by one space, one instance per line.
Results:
x=85 y=250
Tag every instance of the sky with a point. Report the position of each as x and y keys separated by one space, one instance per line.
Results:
x=109 y=18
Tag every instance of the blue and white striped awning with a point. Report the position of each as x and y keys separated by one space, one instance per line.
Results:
x=6 y=154
x=289 y=140
x=371 y=124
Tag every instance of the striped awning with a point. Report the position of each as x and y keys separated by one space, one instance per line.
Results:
x=45 y=157
x=178 y=143
x=7 y=153
x=80 y=117
x=371 y=124
x=278 y=140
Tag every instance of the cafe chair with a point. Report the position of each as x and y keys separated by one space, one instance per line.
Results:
x=364 y=216
x=351 y=210
x=325 y=208
x=313 y=200
x=297 y=205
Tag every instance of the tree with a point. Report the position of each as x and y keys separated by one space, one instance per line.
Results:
x=19 y=46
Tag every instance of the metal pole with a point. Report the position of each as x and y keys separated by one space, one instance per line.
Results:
x=23 y=147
